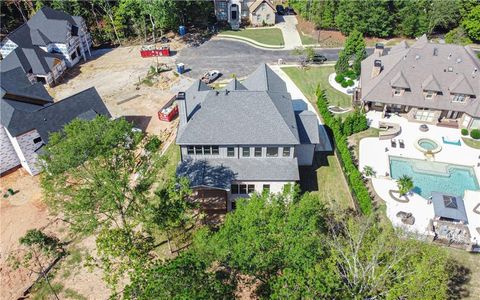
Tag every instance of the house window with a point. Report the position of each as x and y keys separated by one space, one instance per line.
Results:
x=424 y=115
x=272 y=151
x=215 y=150
x=207 y=150
x=243 y=189
x=286 y=151
x=234 y=188
x=266 y=188
x=459 y=98
x=190 y=150
x=397 y=92
x=268 y=16
x=246 y=151
x=258 y=18
x=429 y=95
x=222 y=4
x=230 y=152
x=258 y=151
x=198 y=150
x=250 y=188
x=37 y=140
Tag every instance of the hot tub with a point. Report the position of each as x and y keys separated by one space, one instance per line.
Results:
x=427 y=145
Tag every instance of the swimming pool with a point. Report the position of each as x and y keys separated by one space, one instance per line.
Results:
x=431 y=176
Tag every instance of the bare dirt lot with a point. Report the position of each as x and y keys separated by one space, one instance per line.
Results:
x=119 y=75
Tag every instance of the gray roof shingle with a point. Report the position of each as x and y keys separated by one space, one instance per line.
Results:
x=443 y=67
x=308 y=129
x=14 y=82
x=262 y=113
x=20 y=116
x=242 y=117
x=219 y=173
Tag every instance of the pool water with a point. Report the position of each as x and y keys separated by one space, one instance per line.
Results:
x=431 y=177
x=427 y=144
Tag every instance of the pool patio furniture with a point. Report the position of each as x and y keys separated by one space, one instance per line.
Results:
x=424 y=128
x=401 y=144
x=393 y=143
x=451 y=141
x=407 y=218
x=388 y=130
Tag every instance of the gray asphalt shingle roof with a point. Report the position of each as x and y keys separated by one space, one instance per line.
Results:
x=19 y=113
x=219 y=173
x=261 y=115
x=14 y=82
x=451 y=207
x=443 y=67
x=242 y=117
x=308 y=129
x=32 y=60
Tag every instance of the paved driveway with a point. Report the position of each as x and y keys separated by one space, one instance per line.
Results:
x=288 y=26
x=232 y=57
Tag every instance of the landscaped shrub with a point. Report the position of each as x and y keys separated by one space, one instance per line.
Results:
x=464 y=131
x=339 y=78
x=354 y=176
x=344 y=84
x=350 y=74
x=475 y=134
x=349 y=82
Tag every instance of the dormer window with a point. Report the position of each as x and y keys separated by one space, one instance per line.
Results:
x=429 y=95
x=397 y=91
x=459 y=98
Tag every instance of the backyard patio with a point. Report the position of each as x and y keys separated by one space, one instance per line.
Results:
x=376 y=153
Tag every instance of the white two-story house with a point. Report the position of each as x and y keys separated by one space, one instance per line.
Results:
x=255 y=12
x=245 y=138
x=46 y=45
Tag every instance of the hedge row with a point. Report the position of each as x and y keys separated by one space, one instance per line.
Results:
x=355 y=179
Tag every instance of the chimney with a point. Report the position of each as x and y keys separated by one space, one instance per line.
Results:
x=379 y=48
x=377 y=68
x=182 y=105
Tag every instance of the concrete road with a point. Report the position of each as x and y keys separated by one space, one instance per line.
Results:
x=232 y=57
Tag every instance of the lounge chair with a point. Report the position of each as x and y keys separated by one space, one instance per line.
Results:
x=401 y=144
x=393 y=143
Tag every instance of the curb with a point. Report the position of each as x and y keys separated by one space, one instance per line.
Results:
x=249 y=41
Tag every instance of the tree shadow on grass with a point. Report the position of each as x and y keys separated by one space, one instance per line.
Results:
x=459 y=278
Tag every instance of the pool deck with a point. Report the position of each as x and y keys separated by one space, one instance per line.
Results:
x=372 y=153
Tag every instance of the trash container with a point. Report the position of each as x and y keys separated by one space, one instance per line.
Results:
x=180 y=68
x=182 y=30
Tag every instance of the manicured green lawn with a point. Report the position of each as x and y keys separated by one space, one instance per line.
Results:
x=307 y=39
x=471 y=143
x=173 y=157
x=308 y=79
x=325 y=179
x=269 y=36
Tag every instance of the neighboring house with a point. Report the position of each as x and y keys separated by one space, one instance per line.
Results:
x=245 y=138
x=48 y=34
x=29 y=115
x=432 y=83
x=257 y=12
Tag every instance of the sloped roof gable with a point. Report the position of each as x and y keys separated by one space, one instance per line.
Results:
x=431 y=84
x=400 y=81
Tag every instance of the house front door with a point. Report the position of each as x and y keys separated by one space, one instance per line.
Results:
x=234 y=12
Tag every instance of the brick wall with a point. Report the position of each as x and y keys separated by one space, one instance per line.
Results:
x=25 y=147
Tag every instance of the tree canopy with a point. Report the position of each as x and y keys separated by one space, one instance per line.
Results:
x=386 y=18
x=295 y=249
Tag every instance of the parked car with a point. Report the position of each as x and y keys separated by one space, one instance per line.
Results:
x=289 y=11
x=318 y=59
x=280 y=10
x=210 y=76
